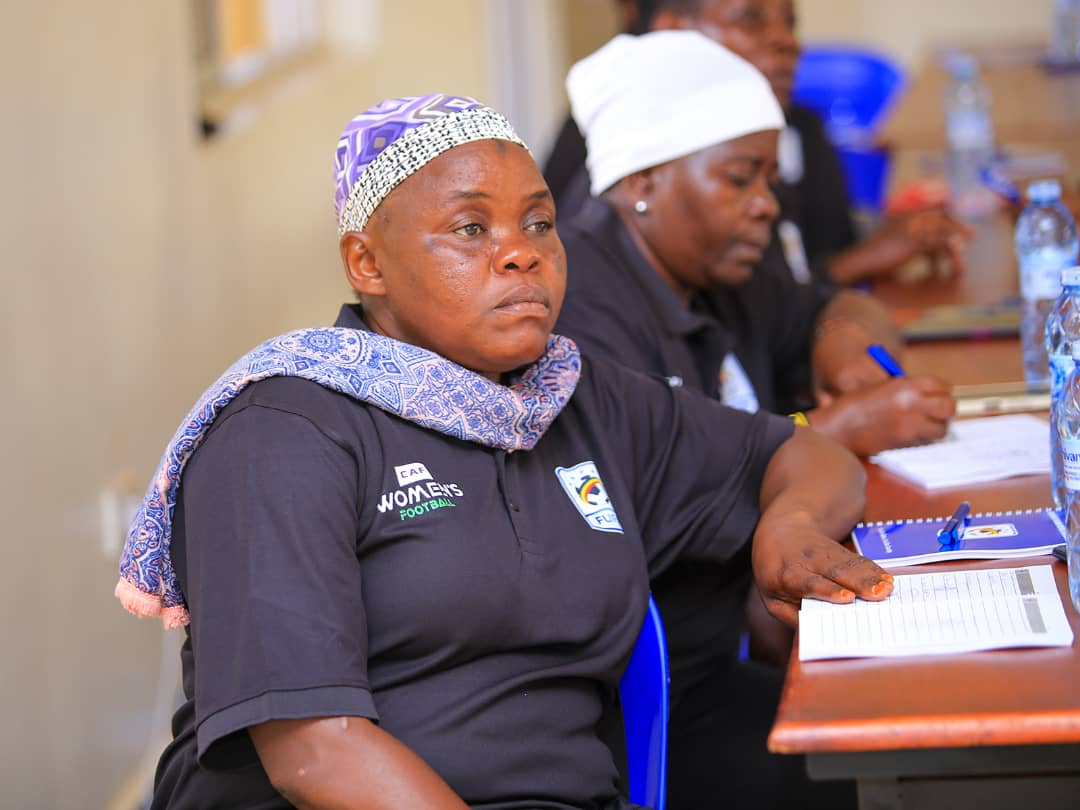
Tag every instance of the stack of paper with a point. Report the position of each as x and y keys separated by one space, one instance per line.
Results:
x=945 y=612
x=974 y=452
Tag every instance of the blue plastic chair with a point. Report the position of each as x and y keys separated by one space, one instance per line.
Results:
x=852 y=88
x=643 y=692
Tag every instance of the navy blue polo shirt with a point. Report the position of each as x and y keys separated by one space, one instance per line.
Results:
x=479 y=605
x=617 y=306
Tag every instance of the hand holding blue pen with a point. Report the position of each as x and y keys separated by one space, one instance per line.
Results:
x=885 y=360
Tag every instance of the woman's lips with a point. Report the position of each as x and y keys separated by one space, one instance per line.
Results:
x=752 y=251
x=525 y=300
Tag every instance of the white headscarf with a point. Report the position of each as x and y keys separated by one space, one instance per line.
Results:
x=644 y=100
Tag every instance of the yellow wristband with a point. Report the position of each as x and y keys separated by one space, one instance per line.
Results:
x=799 y=418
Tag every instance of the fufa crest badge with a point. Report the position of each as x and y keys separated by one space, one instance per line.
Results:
x=587 y=492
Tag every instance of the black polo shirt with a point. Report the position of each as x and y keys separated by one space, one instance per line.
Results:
x=480 y=605
x=816 y=200
x=618 y=307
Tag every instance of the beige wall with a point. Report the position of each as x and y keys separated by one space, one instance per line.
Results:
x=138 y=261
x=910 y=30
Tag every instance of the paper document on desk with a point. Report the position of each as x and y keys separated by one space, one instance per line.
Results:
x=939 y=613
x=974 y=452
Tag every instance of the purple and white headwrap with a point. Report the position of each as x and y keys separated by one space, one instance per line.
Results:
x=384 y=145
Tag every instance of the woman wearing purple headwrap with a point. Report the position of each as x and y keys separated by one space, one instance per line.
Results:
x=412 y=551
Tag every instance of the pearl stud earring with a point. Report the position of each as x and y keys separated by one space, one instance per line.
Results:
x=641 y=206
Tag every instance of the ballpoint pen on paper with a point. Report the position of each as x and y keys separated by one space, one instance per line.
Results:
x=953 y=530
x=1000 y=185
x=885 y=360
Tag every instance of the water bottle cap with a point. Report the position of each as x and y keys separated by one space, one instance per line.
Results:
x=961 y=65
x=1044 y=191
x=1070 y=277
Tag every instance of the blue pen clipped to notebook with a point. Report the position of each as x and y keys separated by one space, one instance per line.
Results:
x=953 y=530
x=885 y=360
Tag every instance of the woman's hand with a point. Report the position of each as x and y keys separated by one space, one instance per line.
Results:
x=896 y=413
x=794 y=560
x=931 y=233
x=813 y=491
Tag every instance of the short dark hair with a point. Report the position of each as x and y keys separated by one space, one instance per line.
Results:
x=647 y=9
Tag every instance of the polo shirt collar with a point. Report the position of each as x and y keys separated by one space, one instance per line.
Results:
x=351 y=316
x=670 y=312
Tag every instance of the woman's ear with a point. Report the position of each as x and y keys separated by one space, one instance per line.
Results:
x=361 y=268
x=635 y=190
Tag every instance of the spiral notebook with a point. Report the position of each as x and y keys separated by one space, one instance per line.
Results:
x=987 y=536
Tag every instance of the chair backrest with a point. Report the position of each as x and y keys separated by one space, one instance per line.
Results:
x=643 y=692
x=851 y=89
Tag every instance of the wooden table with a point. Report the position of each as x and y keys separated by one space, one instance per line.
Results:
x=989 y=730
x=1035 y=113
x=994 y=729
x=1028 y=104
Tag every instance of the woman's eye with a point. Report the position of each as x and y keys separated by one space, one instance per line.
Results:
x=752 y=16
x=472 y=229
x=543 y=226
x=739 y=180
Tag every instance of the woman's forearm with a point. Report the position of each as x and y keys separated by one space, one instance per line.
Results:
x=871 y=317
x=817 y=478
x=347 y=763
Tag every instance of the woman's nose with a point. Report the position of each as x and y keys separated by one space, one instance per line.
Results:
x=515 y=254
x=764 y=203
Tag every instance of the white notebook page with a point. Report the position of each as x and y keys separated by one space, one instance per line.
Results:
x=974 y=452
x=943 y=612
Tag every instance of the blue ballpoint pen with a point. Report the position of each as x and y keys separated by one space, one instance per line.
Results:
x=885 y=360
x=953 y=530
x=1000 y=185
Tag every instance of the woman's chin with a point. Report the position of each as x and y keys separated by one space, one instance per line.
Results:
x=735 y=273
x=494 y=365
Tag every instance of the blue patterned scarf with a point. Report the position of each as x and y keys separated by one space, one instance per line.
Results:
x=413 y=383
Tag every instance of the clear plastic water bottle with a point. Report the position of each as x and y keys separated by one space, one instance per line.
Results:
x=1068 y=428
x=969 y=131
x=1064 y=37
x=1045 y=245
x=1062 y=335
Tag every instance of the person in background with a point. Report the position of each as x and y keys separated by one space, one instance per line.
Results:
x=413 y=551
x=815 y=228
x=668 y=276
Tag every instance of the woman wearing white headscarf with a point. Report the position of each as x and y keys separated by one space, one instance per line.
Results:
x=670 y=274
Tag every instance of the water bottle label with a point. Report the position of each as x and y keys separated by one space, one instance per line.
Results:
x=1039 y=280
x=1040 y=271
x=1070 y=454
x=1060 y=366
x=969 y=129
